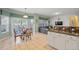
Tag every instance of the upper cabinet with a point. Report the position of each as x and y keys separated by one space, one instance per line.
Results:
x=73 y=21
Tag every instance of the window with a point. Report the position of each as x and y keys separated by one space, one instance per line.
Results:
x=4 y=24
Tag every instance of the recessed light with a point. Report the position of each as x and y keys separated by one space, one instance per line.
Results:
x=57 y=13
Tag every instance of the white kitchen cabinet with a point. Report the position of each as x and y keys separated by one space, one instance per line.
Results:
x=56 y=40
x=50 y=39
x=60 y=42
x=63 y=41
x=72 y=43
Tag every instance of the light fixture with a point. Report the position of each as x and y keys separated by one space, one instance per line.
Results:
x=57 y=13
x=25 y=16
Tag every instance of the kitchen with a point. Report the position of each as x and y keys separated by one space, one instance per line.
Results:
x=52 y=28
x=65 y=32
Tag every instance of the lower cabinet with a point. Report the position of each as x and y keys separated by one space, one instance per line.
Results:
x=63 y=41
x=51 y=39
x=59 y=43
x=71 y=45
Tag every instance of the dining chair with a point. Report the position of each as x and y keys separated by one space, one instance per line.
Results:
x=18 y=33
x=28 y=33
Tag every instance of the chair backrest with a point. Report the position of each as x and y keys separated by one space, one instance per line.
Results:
x=18 y=31
x=28 y=32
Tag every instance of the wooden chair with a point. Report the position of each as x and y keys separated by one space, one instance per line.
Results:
x=28 y=33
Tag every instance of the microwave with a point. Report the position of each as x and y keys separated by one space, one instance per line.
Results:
x=58 y=23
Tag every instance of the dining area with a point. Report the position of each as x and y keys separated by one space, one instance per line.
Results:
x=22 y=33
x=25 y=39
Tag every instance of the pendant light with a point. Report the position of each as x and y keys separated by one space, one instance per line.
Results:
x=25 y=16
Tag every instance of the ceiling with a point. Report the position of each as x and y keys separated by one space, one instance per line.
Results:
x=48 y=11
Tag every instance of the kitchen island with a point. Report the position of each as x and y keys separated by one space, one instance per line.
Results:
x=63 y=40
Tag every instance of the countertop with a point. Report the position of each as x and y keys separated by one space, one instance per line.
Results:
x=64 y=32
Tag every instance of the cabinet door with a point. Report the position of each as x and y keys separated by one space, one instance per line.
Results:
x=50 y=39
x=71 y=44
x=60 y=42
